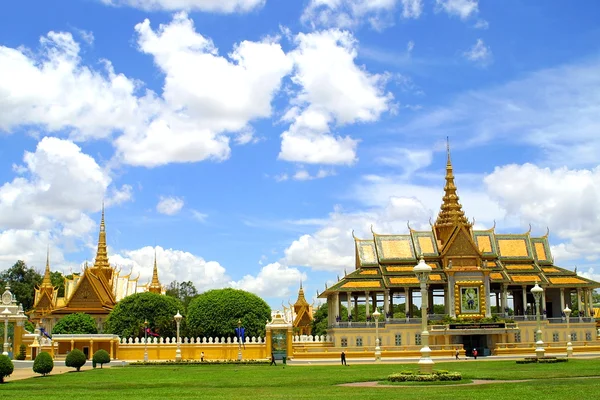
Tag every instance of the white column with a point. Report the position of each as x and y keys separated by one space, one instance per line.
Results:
x=408 y=307
x=562 y=299
x=586 y=306
x=330 y=311
x=367 y=311
x=488 y=306
x=451 y=306
x=524 y=300
x=543 y=305
x=579 y=301
x=591 y=302
x=386 y=302
x=349 y=298
x=336 y=306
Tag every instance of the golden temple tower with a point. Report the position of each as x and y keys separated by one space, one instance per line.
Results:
x=303 y=312
x=451 y=213
x=101 y=267
x=47 y=281
x=155 y=286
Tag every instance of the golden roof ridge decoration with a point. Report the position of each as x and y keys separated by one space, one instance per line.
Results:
x=47 y=281
x=451 y=213
x=101 y=260
x=155 y=285
x=301 y=299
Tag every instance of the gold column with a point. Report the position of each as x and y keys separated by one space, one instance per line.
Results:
x=72 y=344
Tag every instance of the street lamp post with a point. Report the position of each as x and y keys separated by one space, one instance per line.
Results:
x=422 y=270
x=567 y=312
x=5 y=314
x=239 y=340
x=376 y=315
x=146 y=340
x=539 y=344
x=178 y=351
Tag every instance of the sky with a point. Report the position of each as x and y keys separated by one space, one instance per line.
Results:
x=244 y=140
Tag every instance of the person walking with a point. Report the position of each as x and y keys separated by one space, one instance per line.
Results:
x=273 y=360
x=456 y=354
x=202 y=357
x=344 y=358
x=475 y=354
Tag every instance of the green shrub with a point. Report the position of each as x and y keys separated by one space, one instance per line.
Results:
x=22 y=352
x=75 y=359
x=43 y=363
x=6 y=367
x=101 y=357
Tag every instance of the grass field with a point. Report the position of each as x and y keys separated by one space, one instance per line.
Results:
x=546 y=381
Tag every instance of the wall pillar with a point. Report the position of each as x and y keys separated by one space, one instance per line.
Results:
x=488 y=305
x=562 y=299
x=367 y=308
x=386 y=302
x=349 y=301
x=504 y=297
x=524 y=289
x=579 y=301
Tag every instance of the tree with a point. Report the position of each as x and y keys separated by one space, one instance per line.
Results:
x=22 y=352
x=319 y=323
x=78 y=323
x=128 y=316
x=75 y=359
x=6 y=367
x=43 y=364
x=58 y=281
x=184 y=291
x=101 y=357
x=215 y=313
x=22 y=281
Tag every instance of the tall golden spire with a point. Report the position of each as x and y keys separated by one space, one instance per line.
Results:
x=101 y=260
x=451 y=213
x=301 y=299
x=47 y=282
x=155 y=286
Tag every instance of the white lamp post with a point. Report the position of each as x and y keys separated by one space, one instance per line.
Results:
x=146 y=340
x=178 y=351
x=567 y=312
x=5 y=314
x=377 y=348
x=422 y=271
x=539 y=344
x=239 y=340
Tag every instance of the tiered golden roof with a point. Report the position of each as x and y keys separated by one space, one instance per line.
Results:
x=155 y=286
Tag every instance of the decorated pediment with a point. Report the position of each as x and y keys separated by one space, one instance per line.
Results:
x=461 y=245
x=85 y=295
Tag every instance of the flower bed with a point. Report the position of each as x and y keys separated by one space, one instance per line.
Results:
x=411 y=376
x=542 y=360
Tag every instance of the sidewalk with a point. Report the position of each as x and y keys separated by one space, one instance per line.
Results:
x=22 y=372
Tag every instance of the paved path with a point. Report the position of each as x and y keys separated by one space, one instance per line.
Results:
x=25 y=373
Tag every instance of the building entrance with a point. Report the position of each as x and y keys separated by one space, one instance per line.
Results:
x=479 y=342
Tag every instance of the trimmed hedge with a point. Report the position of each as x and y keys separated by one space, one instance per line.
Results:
x=542 y=360
x=43 y=363
x=198 y=362
x=6 y=367
x=75 y=359
x=410 y=376
x=101 y=357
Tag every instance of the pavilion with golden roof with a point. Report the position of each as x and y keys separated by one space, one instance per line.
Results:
x=472 y=271
x=94 y=291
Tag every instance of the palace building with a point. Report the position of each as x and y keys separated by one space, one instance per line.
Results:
x=477 y=275
x=94 y=291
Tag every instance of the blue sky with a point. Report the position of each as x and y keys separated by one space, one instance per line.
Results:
x=245 y=139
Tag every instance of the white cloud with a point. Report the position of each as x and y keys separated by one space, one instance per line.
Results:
x=206 y=95
x=410 y=46
x=351 y=13
x=536 y=110
x=460 y=8
x=169 y=205
x=60 y=184
x=479 y=53
x=198 y=216
x=332 y=89
x=173 y=265
x=304 y=175
x=221 y=6
x=566 y=200
x=412 y=8
x=54 y=90
x=273 y=280
x=481 y=24
x=30 y=246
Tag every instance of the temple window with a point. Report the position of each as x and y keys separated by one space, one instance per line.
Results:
x=574 y=336
x=555 y=337
x=398 y=339
x=359 y=342
x=588 y=336
x=418 y=339
x=344 y=342
x=517 y=337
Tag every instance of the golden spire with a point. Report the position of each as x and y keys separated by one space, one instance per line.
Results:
x=451 y=213
x=101 y=260
x=155 y=286
x=47 y=282
x=301 y=299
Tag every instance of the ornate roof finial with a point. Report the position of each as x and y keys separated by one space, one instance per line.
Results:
x=101 y=260
x=47 y=282
x=451 y=213
x=155 y=286
x=408 y=225
x=301 y=299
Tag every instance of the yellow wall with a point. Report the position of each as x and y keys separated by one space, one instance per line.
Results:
x=225 y=351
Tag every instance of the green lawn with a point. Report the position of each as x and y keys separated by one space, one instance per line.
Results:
x=548 y=381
